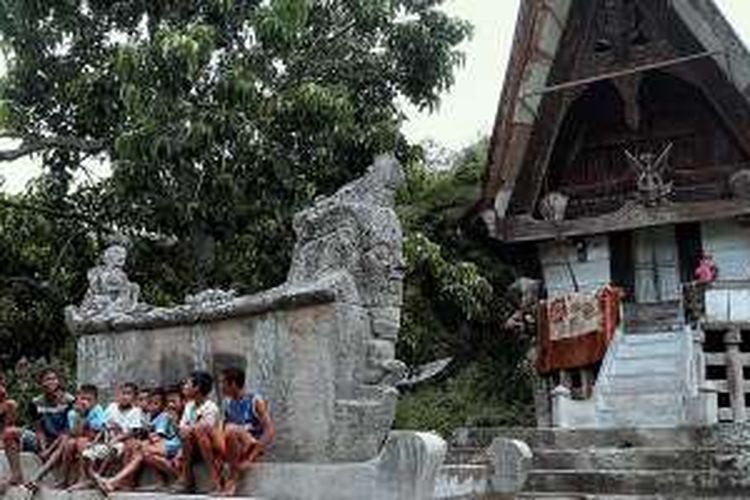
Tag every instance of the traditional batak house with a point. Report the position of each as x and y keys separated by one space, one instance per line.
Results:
x=619 y=178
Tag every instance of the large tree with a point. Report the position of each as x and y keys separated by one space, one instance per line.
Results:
x=219 y=118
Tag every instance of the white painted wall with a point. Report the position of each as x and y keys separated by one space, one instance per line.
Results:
x=590 y=275
x=729 y=243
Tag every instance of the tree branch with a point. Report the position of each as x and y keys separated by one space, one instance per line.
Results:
x=49 y=212
x=31 y=145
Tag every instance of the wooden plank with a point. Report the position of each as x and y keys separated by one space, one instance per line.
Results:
x=720 y=358
x=631 y=216
x=714 y=326
x=723 y=385
x=725 y=414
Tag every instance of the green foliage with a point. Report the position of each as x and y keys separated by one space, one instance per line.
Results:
x=460 y=401
x=456 y=305
x=220 y=118
x=41 y=258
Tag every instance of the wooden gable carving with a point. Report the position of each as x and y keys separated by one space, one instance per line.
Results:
x=628 y=76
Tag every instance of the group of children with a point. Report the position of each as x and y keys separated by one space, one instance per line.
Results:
x=165 y=430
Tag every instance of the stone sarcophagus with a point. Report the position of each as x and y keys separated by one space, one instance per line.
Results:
x=320 y=347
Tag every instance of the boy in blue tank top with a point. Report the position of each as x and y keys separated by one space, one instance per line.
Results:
x=248 y=427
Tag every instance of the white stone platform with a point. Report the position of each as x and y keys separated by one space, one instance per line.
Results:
x=405 y=470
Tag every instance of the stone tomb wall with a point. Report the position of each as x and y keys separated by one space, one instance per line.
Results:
x=320 y=348
x=302 y=350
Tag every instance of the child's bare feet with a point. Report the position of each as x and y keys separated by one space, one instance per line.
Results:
x=84 y=484
x=104 y=486
x=180 y=486
x=230 y=488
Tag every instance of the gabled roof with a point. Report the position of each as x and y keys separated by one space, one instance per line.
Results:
x=546 y=36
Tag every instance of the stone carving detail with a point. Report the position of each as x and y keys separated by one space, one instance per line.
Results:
x=356 y=231
x=211 y=297
x=110 y=292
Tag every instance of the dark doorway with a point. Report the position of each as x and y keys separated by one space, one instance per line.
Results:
x=621 y=262
x=689 y=247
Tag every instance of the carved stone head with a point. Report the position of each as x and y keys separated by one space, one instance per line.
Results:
x=115 y=256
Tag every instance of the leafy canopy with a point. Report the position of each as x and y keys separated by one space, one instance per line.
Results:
x=220 y=117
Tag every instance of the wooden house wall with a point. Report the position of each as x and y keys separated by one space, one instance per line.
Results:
x=590 y=274
x=729 y=243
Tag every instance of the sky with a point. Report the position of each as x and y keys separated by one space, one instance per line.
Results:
x=468 y=111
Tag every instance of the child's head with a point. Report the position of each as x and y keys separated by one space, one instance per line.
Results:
x=199 y=383
x=86 y=397
x=232 y=381
x=175 y=400
x=50 y=381
x=155 y=401
x=126 y=394
x=143 y=400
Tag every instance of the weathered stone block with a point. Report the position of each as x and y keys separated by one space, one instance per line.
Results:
x=510 y=462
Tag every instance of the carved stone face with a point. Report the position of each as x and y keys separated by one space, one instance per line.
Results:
x=115 y=256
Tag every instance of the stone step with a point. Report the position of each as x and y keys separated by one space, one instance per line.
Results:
x=637 y=482
x=633 y=458
x=645 y=362
x=652 y=338
x=620 y=399
x=642 y=384
x=629 y=351
x=538 y=438
x=617 y=418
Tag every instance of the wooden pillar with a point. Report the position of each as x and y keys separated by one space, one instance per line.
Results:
x=699 y=358
x=587 y=382
x=735 y=378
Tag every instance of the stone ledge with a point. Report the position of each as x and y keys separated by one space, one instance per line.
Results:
x=325 y=291
x=405 y=469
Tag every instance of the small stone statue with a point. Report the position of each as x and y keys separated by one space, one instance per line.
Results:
x=110 y=290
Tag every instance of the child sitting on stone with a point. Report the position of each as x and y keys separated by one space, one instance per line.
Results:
x=85 y=423
x=164 y=454
x=157 y=430
x=8 y=409
x=248 y=427
x=199 y=428
x=124 y=425
x=162 y=444
x=49 y=411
